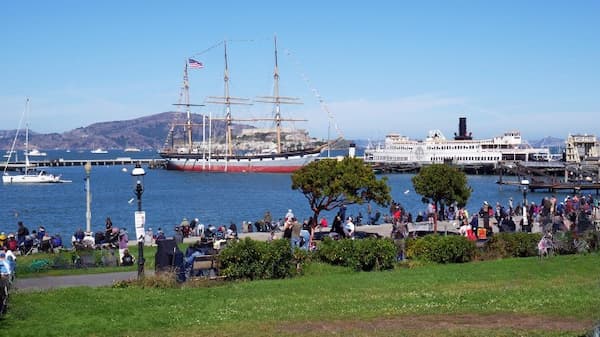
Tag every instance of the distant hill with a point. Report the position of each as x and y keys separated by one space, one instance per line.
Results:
x=148 y=132
x=548 y=142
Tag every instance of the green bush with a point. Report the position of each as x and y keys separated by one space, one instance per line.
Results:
x=366 y=255
x=520 y=244
x=251 y=259
x=441 y=249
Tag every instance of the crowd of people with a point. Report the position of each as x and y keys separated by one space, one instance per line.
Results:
x=26 y=242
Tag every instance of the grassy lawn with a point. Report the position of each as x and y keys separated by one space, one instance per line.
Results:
x=512 y=297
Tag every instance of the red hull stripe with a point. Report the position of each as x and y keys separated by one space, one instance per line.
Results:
x=233 y=169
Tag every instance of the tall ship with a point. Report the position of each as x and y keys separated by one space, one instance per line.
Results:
x=463 y=150
x=266 y=150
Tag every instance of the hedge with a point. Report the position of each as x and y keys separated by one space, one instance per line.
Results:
x=441 y=249
x=252 y=259
x=365 y=254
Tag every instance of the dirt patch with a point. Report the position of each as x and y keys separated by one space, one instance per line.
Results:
x=445 y=322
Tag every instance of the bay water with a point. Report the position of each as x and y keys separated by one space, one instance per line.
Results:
x=169 y=196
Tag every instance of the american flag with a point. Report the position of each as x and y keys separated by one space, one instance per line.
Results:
x=195 y=64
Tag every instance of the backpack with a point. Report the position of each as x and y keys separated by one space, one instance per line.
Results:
x=127 y=260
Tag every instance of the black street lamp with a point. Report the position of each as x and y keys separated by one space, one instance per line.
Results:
x=140 y=217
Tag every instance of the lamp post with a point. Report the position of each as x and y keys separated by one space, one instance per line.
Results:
x=525 y=186
x=88 y=197
x=140 y=216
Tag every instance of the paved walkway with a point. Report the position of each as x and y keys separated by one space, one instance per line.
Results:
x=86 y=280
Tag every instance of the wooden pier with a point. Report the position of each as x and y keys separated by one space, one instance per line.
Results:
x=550 y=186
x=541 y=176
x=149 y=162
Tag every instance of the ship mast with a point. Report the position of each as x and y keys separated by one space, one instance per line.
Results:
x=278 y=100
x=227 y=100
x=186 y=98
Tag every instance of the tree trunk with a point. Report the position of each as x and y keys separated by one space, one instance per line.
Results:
x=435 y=217
x=313 y=226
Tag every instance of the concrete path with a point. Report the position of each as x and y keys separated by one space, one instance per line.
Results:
x=86 y=280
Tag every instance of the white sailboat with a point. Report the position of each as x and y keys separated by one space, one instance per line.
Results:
x=28 y=175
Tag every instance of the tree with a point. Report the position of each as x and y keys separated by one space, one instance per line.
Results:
x=329 y=183
x=442 y=183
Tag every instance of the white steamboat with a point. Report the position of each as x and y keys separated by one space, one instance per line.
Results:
x=463 y=150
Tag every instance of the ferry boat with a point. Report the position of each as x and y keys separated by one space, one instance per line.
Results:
x=36 y=153
x=98 y=151
x=463 y=150
x=132 y=149
x=271 y=155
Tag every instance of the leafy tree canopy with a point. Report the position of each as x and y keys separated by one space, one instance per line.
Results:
x=329 y=183
x=442 y=183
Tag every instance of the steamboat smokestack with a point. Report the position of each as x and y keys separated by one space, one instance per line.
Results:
x=462 y=130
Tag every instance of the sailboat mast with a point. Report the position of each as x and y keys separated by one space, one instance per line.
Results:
x=27 y=137
x=277 y=100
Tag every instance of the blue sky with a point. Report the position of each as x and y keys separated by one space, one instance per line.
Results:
x=379 y=66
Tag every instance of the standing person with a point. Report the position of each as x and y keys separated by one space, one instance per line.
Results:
x=485 y=212
x=305 y=236
x=268 y=219
x=22 y=232
x=148 y=237
x=109 y=227
x=287 y=229
x=349 y=228
x=337 y=227
x=342 y=212
x=123 y=242
x=296 y=228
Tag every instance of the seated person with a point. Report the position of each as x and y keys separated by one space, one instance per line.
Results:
x=77 y=237
x=12 y=243
x=127 y=259
x=88 y=240
x=27 y=245
x=374 y=219
x=56 y=241
x=46 y=244
x=419 y=217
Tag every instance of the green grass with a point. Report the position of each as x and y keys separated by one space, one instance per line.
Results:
x=565 y=287
x=24 y=263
